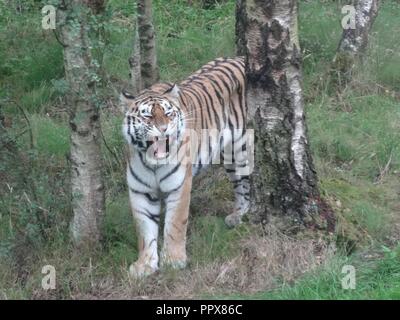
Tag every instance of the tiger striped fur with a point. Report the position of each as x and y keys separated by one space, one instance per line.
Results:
x=157 y=119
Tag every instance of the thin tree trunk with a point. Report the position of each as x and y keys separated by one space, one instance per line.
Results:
x=148 y=54
x=284 y=182
x=87 y=187
x=354 y=39
x=134 y=64
x=6 y=143
x=3 y=133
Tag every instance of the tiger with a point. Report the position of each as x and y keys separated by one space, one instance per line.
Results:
x=156 y=126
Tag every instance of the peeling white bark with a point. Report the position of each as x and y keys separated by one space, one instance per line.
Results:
x=299 y=138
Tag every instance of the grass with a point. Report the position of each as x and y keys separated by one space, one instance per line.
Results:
x=367 y=132
x=180 y=49
x=355 y=140
x=373 y=280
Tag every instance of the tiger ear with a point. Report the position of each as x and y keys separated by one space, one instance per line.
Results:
x=125 y=100
x=174 y=91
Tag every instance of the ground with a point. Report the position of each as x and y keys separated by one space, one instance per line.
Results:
x=355 y=140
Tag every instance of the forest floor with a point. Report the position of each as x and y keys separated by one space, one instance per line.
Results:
x=355 y=140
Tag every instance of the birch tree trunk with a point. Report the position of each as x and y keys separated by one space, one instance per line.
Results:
x=148 y=53
x=134 y=64
x=284 y=182
x=87 y=187
x=354 y=39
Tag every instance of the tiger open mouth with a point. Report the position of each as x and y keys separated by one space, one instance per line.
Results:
x=160 y=147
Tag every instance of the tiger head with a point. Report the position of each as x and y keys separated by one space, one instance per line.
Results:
x=153 y=123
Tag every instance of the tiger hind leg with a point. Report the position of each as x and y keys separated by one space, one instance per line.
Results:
x=241 y=186
x=236 y=161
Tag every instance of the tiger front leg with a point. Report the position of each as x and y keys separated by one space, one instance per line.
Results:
x=176 y=220
x=146 y=211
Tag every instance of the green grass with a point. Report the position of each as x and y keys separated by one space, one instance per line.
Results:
x=185 y=37
x=209 y=239
x=363 y=139
x=374 y=280
x=353 y=137
x=51 y=137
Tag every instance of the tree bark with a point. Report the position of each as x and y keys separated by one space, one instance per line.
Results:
x=148 y=54
x=134 y=64
x=87 y=186
x=239 y=28
x=354 y=41
x=240 y=31
x=284 y=183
